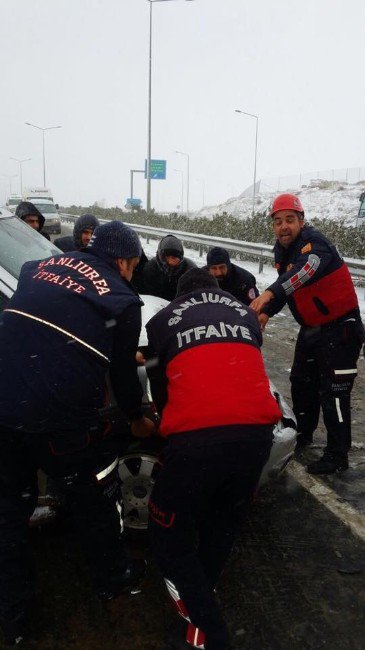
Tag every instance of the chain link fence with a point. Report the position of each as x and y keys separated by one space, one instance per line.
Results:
x=351 y=175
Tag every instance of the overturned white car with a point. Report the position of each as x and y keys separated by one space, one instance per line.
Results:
x=138 y=458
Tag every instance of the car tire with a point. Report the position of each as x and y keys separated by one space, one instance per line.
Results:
x=137 y=471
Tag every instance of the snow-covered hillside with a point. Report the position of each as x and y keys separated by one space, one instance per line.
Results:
x=320 y=199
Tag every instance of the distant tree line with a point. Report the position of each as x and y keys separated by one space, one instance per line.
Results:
x=349 y=240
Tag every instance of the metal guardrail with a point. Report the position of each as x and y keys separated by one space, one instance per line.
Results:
x=262 y=251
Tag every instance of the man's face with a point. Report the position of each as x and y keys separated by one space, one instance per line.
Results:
x=287 y=226
x=171 y=260
x=219 y=271
x=126 y=267
x=86 y=236
x=32 y=221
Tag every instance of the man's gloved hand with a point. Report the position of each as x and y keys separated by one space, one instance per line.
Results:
x=143 y=427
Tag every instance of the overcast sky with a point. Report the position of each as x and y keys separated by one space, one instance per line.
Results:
x=83 y=64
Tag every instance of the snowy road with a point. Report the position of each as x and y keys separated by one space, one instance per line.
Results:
x=295 y=581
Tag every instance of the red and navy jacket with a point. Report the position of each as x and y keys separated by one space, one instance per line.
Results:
x=313 y=279
x=207 y=345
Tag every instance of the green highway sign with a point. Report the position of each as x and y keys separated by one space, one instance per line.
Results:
x=157 y=170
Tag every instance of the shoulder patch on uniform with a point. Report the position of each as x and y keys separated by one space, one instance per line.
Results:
x=306 y=249
x=289 y=267
x=277 y=265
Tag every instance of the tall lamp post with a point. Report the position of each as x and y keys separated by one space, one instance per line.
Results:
x=180 y=171
x=43 y=129
x=181 y=153
x=254 y=173
x=149 y=128
x=21 y=170
x=9 y=177
x=202 y=181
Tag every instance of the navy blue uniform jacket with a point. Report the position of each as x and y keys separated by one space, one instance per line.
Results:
x=71 y=319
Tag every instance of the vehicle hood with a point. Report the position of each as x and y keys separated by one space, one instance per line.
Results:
x=151 y=306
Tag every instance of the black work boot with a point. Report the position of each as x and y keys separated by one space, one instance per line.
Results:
x=328 y=464
x=303 y=440
x=128 y=582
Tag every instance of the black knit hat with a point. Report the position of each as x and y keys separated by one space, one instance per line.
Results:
x=218 y=255
x=116 y=240
x=195 y=279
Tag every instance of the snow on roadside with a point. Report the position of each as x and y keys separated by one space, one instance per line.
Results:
x=321 y=199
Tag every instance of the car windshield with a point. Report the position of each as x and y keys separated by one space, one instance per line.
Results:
x=14 y=201
x=19 y=243
x=46 y=208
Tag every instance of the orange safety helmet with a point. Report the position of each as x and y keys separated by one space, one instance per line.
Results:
x=286 y=202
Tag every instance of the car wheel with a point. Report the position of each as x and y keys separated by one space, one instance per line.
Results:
x=137 y=472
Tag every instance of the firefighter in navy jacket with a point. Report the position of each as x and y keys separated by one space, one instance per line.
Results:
x=73 y=317
x=316 y=284
x=232 y=278
x=209 y=383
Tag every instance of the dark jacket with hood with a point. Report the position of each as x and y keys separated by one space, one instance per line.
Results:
x=76 y=318
x=73 y=242
x=159 y=279
x=26 y=209
x=138 y=278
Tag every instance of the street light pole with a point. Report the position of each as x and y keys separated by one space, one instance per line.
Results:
x=43 y=129
x=254 y=173
x=149 y=126
x=181 y=153
x=202 y=181
x=21 y=170
x=180 y=171
x=148 y=170
x=9 y=177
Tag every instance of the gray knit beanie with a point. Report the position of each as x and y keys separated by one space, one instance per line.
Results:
x=115 y=240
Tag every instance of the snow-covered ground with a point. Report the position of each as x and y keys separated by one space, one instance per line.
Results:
x=264 y=279
x=320 y=199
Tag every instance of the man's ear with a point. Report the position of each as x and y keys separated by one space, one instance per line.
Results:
x=122 y=266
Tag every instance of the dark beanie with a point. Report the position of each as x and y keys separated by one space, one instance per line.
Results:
x=27 y=209
x=195 y=279
x=218 y=255
x=115 y=240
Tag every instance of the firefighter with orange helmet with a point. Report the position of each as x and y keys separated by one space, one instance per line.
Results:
x=316 y=284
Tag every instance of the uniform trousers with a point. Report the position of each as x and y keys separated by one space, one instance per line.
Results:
x=323 y=374
x=85 y=471
x=195 y=507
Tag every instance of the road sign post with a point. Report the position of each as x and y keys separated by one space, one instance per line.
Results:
x=133 y=204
